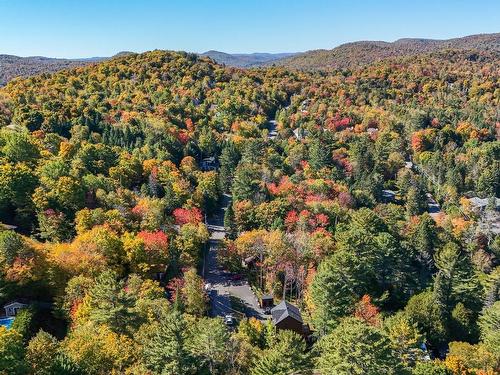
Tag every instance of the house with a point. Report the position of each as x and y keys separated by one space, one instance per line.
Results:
x=388 y=196
x=209 y=164
x=12 y=308
x=287 y=316
x=488 y=212
x=481 y=204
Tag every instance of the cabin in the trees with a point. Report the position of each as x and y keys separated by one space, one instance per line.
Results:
x=12 y=308
x=209 y=164
x=287 y=316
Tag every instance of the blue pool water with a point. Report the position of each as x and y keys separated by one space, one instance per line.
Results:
x=6 y=322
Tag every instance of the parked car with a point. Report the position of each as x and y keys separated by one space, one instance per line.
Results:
x=229 y=320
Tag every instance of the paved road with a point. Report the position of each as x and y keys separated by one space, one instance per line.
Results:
x=222 y=284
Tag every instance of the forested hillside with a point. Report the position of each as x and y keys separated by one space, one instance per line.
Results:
x=245 y=60
x=358 y=204
x=359 y=54
x=346 y=56
x=15 y=66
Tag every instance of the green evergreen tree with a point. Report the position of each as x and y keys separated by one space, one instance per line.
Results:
x=286 y=355
x=228 y=162
x=110 y=303
x=415 y=201
x=423 y=311
x=207 y=141
x=457 y=268
x=163 y=344
x=463 y=324
x=357 y=348
x=209 y=345
x=333 y=291
x=489 y=322
x=247 y=183
x=424 y=240
x=318 y=155
x=25 y=323
x=431 y=368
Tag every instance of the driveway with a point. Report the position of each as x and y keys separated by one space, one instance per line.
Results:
x=224 y=286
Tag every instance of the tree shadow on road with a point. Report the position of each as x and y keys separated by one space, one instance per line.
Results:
x=241 y=306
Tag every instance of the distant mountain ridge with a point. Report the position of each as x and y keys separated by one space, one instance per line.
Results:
x=346 y=56
x=357 y=54
x=246 y=60
x=15 y=66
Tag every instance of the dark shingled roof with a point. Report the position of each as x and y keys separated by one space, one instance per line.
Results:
x=284 y=310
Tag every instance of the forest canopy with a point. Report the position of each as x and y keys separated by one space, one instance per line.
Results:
x=366 y=196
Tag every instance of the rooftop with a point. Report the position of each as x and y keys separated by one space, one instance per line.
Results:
x=285 y=310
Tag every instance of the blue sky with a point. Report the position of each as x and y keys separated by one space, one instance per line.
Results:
x=84 y=28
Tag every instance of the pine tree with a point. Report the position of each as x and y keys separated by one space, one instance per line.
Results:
x=286 y=355
x=458 y=269
x=357 y=348
x=110 y=303
x=207 y=142
x=415 y=201
x=246 y=183
x=318 y=155
x=209 y=345
x=332 y=291
x=489 y=322
x=163 y=344
x=424 y=240
x=228 y=162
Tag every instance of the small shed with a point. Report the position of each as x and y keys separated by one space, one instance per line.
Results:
x=12 y=308
x=287 y=316
x=267 y=302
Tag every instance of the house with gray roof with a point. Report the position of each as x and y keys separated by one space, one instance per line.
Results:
x=287 y=316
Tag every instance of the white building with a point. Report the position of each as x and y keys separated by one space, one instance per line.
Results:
x=12 y=308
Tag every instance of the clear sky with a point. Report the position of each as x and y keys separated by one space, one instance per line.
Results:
x=85 y=28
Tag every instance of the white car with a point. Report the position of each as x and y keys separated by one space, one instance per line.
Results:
x=229 y=320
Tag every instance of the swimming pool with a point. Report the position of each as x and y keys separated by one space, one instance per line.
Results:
x=6 y=322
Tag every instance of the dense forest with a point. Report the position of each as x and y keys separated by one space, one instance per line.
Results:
x=359 y=54
x=365 y=196
x=15 y=66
